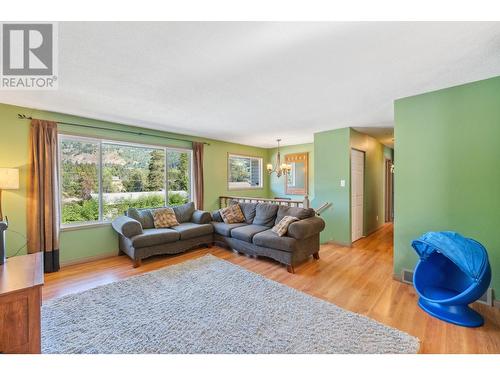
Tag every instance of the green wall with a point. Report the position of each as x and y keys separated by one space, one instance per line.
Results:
x=90 y=242
x=332 y=164
x=277 y=185
x=447 y=169
x=374 y=181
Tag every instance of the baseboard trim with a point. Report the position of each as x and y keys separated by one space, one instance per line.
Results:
x=337 y=243
x=89 y=259
x=396 y=277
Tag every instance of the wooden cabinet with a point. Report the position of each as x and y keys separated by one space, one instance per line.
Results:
x=21 y=280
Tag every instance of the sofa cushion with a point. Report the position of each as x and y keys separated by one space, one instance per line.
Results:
x=192 y=230
x=143 y=216
x=184 y=212
x=152 y=237
x=164 y=217
x=232 y=214
x=298 y=212
x=247 y=232
x=265 y=214
x=225 y=229
x=271 y=240
x=216 y=216
x=248 y=210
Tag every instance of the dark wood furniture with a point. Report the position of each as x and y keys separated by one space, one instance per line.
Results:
x=21 y=280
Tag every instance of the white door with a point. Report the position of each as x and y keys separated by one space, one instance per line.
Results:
x=357 y=193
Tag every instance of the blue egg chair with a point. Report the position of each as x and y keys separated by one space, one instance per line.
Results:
x=453 y=272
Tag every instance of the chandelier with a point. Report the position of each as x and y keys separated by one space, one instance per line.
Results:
x=279 y=168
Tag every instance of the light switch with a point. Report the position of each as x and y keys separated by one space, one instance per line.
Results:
x=342 y=183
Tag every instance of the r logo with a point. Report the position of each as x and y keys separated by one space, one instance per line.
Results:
x=27 y=49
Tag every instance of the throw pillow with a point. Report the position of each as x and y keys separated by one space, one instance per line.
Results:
x=164 y=218
x=232 y=214
x=282 y=227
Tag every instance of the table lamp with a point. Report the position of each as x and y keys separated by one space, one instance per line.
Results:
x=9 y=180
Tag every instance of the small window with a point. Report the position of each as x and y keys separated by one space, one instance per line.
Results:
x=244 y=172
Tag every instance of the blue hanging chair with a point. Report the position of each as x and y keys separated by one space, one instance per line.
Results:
x=453 y=272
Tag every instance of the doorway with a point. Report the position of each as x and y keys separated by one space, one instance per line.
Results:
x=389 y=191
x=357 y=193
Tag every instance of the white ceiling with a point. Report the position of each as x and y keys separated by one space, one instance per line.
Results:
x=252 y=82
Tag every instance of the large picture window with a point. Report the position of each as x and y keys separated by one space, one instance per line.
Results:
x=244 y=172
x=101 y=179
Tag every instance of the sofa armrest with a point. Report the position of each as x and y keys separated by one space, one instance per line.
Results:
x=306 y=228
x=201 y=217
x=127 y=227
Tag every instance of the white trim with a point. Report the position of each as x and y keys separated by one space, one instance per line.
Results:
x=84 y=225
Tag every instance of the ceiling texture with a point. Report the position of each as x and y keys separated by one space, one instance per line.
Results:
x=253 y=82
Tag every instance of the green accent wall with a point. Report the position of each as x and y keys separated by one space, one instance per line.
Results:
x=90 y=242
x=277 y=185
x=332 y=164
x=447 y=169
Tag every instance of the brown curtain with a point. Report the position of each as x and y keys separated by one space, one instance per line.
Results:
x=198 y=173
x=43 y=212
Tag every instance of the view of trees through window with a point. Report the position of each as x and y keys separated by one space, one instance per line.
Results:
x=80 y=181
x=244 y=172
x=178 y=177
x=131 y=176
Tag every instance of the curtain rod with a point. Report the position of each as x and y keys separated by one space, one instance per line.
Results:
x=24 y=117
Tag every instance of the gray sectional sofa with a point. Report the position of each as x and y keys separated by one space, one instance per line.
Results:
x=139 y=239
x=255 y=237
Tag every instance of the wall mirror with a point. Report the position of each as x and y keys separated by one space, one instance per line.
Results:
x=296 y=182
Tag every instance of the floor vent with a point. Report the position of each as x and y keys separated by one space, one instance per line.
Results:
x=407 y=276
x=487 y=297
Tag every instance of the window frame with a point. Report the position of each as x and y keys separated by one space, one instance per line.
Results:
x=261 y=174
x=61 y=136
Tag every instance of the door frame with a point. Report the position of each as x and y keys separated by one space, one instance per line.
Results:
x=350 y=192
x=389 y=192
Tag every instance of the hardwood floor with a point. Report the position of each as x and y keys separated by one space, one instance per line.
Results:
x=357 y=278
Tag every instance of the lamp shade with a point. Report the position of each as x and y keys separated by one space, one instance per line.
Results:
x=9 y=178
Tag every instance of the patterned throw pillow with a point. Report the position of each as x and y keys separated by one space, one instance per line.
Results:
x=232 y=214
x=164 y=218
x=282 y=227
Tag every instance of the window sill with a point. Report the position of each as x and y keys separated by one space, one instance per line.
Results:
x=69 y=228
x=245 y=188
